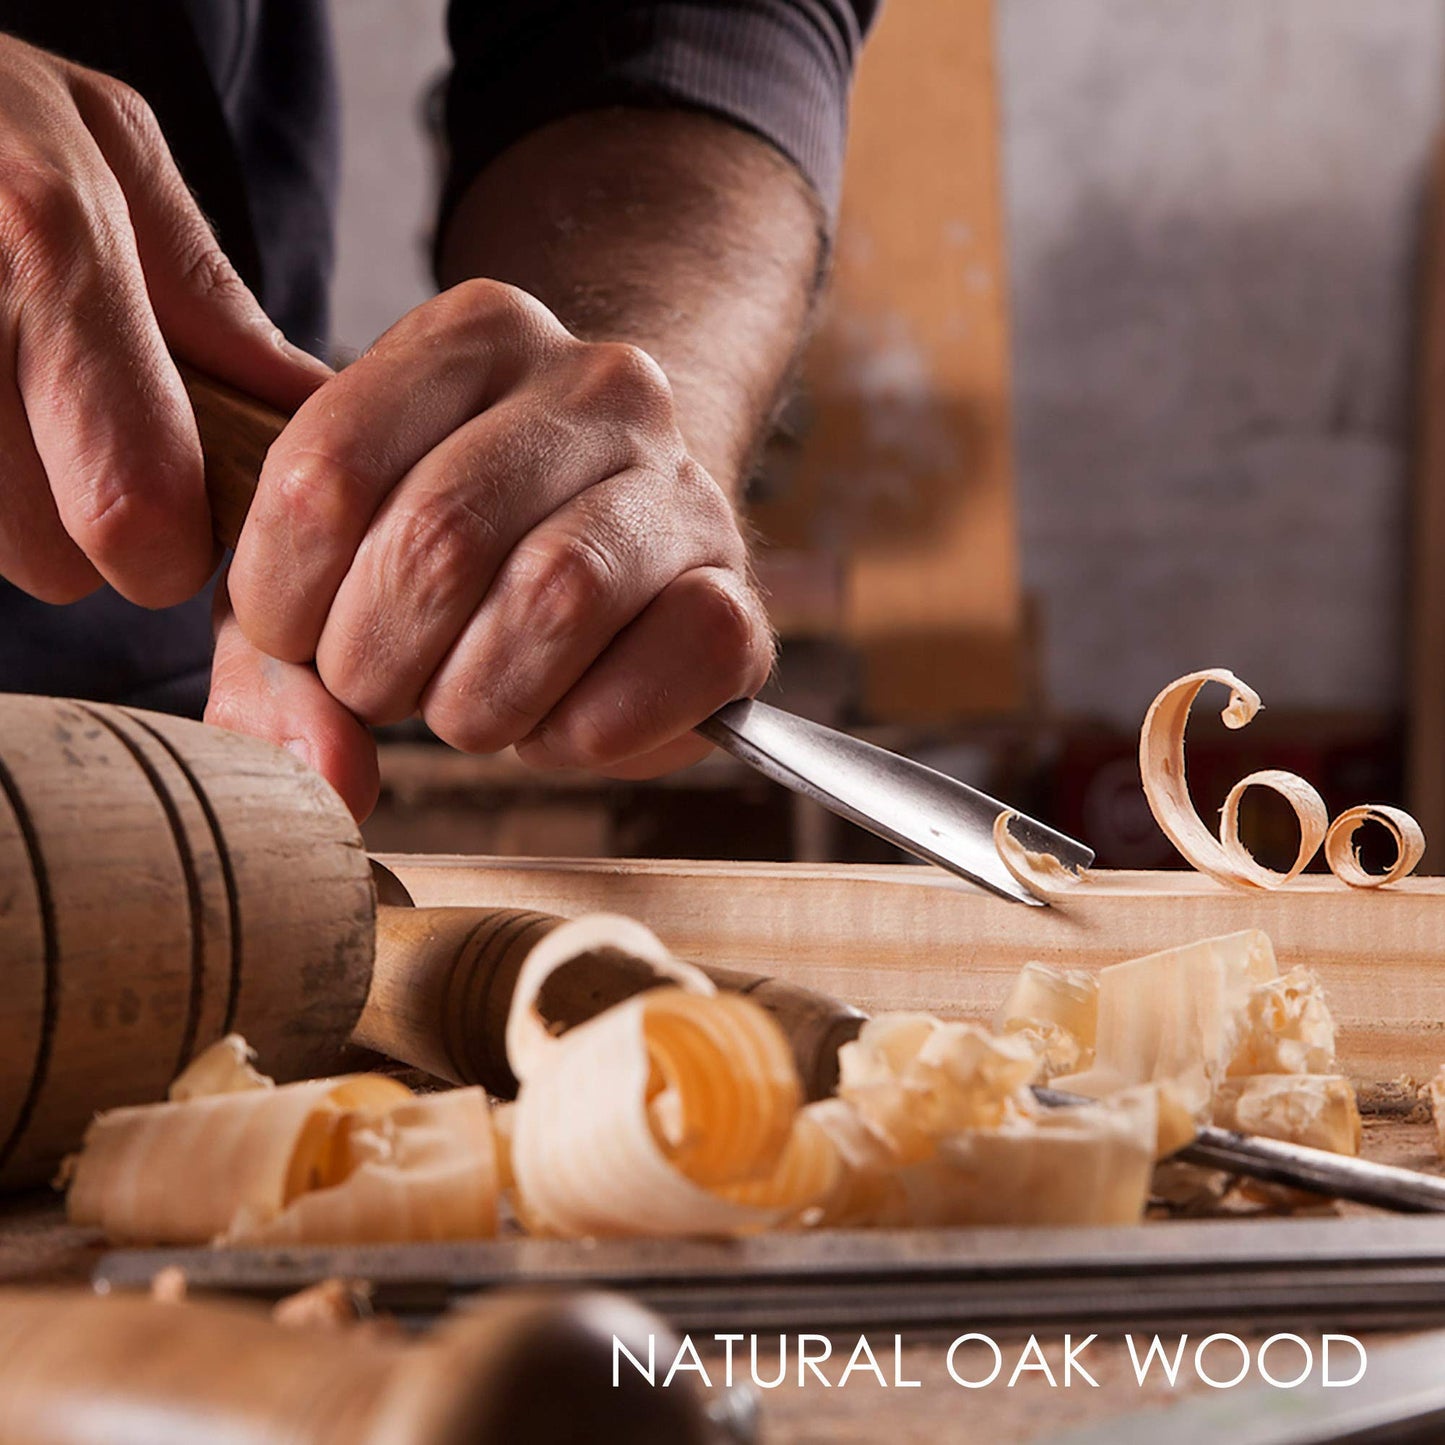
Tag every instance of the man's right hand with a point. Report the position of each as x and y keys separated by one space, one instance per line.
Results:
x=106 y=267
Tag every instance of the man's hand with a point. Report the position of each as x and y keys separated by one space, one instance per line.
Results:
x=495 y=524
x=106 y=265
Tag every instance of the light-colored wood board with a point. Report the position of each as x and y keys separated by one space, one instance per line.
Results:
x=896 y=936
x=905 y=475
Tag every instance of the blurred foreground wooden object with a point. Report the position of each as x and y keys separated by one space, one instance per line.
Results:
x=125 y=1370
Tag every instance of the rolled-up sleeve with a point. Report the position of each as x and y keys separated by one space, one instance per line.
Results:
x=781 y=69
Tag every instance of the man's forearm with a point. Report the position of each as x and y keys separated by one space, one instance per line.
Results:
x=672 y=230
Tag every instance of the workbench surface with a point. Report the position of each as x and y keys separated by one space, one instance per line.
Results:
x=36 y=1246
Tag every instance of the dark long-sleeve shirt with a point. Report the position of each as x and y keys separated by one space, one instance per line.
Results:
x=246 y=93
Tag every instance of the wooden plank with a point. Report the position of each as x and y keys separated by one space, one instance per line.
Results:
x=906 y=471
x=895 y=936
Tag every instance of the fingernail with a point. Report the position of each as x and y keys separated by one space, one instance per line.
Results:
x=533 y=751
x=291 y=352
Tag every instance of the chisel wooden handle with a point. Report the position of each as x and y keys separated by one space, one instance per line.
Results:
x=236 y=432
x=443 y=978
x=518 y=1370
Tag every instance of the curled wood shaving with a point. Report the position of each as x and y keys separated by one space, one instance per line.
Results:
x=692 y=1134
x=423 y=1170
x=1309 y=810
x=356 y=1159
x=1161 y=767
x=1344 y=858
x=529 y=1039
x=1043 y=874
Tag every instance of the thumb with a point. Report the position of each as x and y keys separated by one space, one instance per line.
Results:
x=206 y=312
x=286 y=703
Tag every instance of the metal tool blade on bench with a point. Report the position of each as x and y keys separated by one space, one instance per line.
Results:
x=924 y=812
x=1265 y=1274
x=1339 y=1176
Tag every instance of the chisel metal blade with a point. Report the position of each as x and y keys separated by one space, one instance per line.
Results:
x=924 y=812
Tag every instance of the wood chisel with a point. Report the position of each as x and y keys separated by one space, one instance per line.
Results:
x=924 y=812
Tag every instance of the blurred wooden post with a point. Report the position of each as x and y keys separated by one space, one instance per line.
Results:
x=1426 y=700
x=905 y=479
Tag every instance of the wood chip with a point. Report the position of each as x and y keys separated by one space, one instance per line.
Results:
x=1344 y=859
x=1161 y=767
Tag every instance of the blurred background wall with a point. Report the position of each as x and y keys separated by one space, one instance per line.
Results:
x=391 y=53
x=1210 y=219
x=1213 y=220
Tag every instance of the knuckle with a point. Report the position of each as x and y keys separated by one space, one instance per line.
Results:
x=208 y=275
x=126 y=104
x=41 y=216
x=623 y=380
x=471 y=725
x=731 y=633
x=496 y=311
x=110 y=516
x=445 y=538
x=566 y=582
x=313 y=494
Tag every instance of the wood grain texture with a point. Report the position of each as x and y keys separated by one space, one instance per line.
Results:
x=118 y=964
x=236 y=433
x=161 y=883
x=25 y=954
x=305 y=905
x=441 y=988
x=884 y=936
